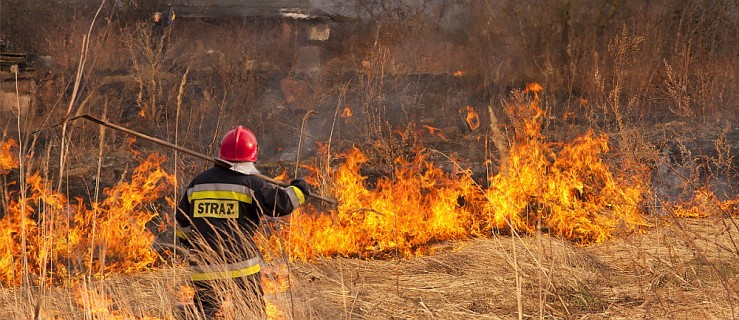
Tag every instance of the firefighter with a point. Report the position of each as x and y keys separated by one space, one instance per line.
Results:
x=217 y=217
x=158 y=34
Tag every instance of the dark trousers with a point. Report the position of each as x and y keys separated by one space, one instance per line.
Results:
x=210 y=294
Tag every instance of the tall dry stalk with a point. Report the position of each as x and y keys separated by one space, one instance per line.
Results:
x=518 y=280
x=101 y=145
x=300 y=140
x=22 y=174
x=624 y=50
x=497 y=136
x=180 y=95
x=339 y=103
x=84 y=51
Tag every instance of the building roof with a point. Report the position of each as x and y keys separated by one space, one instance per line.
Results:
x=290 y=9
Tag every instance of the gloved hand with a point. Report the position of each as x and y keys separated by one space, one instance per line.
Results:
x=302 y=185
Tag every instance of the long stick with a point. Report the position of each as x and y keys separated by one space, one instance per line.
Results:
x=219 y=162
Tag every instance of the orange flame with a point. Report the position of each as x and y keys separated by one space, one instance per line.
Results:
x=7 y=158
x=275 y=279
x=184 y=294
x=95 y=303
x=436 y=132
x=273 y=311
x=535 y=88
x=274 y=285
x=52 y=240
x=374 y=223
x=282 y=176
x=472 y=120
x=347 y=113
x=705 y=203
x=570 y=193
x=313 y=173
x=458 y=73
x=130 y=140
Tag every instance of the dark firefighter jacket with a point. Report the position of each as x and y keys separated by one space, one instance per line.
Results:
x=221 y=208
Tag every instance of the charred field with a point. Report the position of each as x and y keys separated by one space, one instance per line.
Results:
x=491 y=159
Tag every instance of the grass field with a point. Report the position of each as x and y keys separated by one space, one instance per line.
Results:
x=492 y=159
x=682 y=269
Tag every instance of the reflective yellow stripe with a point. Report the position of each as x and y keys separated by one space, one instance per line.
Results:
x=218 y=275
x=299 y=194
x=223 y=195
x=180 y=234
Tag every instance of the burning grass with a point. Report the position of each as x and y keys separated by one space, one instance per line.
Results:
x=7 y=159
x=671 y=271
x=705 y=204
x=47 y=238
x=556 y=191
x=563 y=189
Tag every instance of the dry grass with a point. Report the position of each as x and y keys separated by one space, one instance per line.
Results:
x=684 y=269
x=656 y=275
x=631 y=69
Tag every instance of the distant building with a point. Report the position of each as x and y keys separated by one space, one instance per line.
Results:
x=293 y=9
x=308 y=24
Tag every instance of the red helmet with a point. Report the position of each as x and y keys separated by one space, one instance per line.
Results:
x=239 y=145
